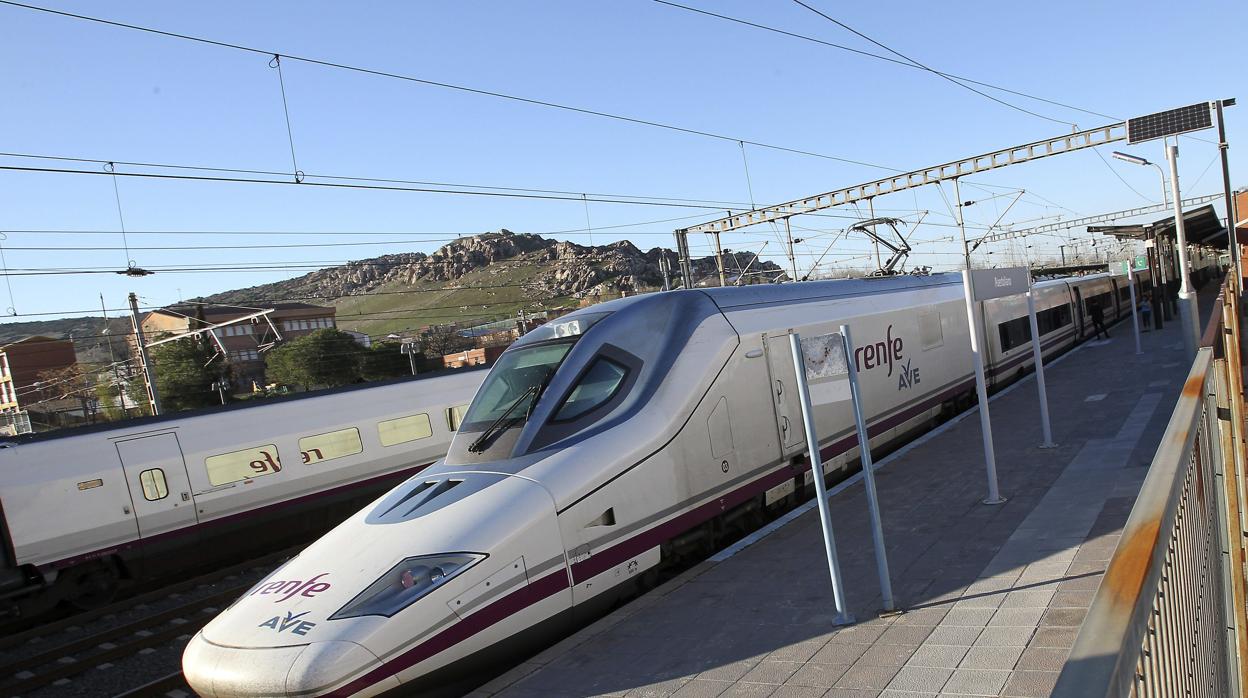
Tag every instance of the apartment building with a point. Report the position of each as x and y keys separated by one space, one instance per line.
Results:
x=22 y=365
x=245 y=340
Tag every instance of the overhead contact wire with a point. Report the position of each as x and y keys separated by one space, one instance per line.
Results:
x=444 y=85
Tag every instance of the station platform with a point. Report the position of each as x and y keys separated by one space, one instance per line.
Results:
x=993 y=595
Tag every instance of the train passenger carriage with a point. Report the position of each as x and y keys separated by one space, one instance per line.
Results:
x=161 y=496
x=602 y=447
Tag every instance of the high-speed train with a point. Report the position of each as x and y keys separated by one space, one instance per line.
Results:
x=601 y=447
x=83 y=512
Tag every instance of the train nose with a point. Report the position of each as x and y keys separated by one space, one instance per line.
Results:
x=314 y=669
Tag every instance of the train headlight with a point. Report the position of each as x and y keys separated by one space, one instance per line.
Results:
x=406 y=582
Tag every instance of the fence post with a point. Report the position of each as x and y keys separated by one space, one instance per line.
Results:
x=1231 y=495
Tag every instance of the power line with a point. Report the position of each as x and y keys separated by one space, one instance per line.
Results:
x=440 y=84
x=381 y=180
x=305 y=182
x=879 y=57
x=937 y=73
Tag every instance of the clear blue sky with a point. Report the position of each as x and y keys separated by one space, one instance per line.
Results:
x=78 y=89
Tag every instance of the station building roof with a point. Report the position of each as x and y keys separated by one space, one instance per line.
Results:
x=1201 y=225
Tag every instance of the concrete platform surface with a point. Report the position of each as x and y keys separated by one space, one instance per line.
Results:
x=994 y=595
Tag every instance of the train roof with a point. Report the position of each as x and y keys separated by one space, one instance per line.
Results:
x=233 y=406
x=739 y=296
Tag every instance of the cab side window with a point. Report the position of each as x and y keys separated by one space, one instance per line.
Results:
x=596 y=387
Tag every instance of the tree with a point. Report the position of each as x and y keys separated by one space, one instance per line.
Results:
x=110 y=400
x=185 y=371
x=73 y=382
x=384 y=360
x=321 y=359
x=441 y=340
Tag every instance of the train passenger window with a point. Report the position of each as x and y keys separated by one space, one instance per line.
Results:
x=597 y=386
x=246 y=464
x=1014 y=333
x=931 y=335
x=404 y=429
x=154 y=485
x=335 y=444
x=1053 y=319
x=455 y=416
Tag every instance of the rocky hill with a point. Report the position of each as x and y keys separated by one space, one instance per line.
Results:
x=559 y=269
x=473 y=279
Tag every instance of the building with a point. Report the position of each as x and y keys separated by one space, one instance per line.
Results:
x=472 y=357
x=23 y=365
x=244 y=340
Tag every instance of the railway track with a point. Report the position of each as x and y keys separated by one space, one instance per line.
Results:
x=131 y=647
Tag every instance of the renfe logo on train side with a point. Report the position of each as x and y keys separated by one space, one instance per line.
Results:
x=871 y=356
x=293 y=587
x=887 y=353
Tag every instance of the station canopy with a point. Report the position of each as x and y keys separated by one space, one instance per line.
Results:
x=1202 y=226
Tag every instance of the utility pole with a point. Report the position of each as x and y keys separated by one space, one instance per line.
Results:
x=682 y=253
x=871 y=213
x=1189 y=315
x=409 y=348
x=1231 y=215
x=665 y=269
x=112 y=361
x=144 y=362
x=788 y=231
x=719 y=259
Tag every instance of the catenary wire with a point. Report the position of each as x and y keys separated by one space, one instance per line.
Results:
x=937 y=73
x=877 y=56
x=440 y=84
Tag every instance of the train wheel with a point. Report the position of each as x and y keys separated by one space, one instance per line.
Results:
x=87 y=587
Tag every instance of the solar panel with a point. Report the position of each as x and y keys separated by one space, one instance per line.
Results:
x=1167 y=123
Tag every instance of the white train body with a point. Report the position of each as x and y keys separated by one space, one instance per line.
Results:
x=160 y=495
x=662 y=418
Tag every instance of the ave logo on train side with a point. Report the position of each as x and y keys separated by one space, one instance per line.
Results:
x=887 y=352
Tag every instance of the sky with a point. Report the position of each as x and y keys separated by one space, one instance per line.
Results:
x=78 y=89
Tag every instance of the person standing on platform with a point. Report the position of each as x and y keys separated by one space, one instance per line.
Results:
x=1146 y=311
x=1098 y=318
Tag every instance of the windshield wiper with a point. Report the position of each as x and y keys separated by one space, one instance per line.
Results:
x=479 y=445
x=541 y=390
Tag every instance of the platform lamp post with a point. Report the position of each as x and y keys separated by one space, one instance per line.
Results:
x=1189 y=314
x=1160 y=303
x=1136 y=160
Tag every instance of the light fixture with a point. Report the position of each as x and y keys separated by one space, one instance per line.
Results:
x=1133 y=159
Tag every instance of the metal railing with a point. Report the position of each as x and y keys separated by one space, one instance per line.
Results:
x=1168 y=618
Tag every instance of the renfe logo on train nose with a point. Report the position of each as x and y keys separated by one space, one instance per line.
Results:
x=293 y=587
x=870 y=356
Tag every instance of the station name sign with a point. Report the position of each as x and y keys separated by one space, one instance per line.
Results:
x=999 y=283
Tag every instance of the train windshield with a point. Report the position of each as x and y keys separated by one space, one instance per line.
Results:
x=515 y=385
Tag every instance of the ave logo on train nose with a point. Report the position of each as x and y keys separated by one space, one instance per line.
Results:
x=290 y=622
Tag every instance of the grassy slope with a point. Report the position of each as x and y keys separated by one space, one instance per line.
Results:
x=410 y=306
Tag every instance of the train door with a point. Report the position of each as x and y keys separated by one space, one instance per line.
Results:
x=159 y=486
x=1080 y=319
x=784 y=395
